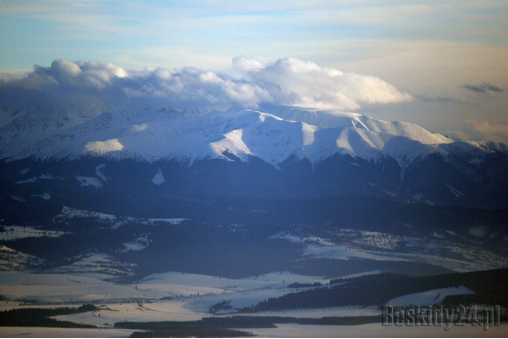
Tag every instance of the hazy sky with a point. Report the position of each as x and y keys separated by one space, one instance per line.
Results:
x=441 y=64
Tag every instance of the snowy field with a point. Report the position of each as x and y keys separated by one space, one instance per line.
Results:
x=430 y=297
x=46 y=332
x=58 y=288
x=188 y=298
x=12 y=260
x=437 y=251
x=94 y=263
x=377 y=331
x=113 y=220
x=185 y=295
x=19 y=232
x=283 y=331
x=198 y=292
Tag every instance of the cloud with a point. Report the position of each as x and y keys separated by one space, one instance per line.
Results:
x=483 y=88
x=287 y=82
x=247 y=64
x=306 y=84
x=490 y=132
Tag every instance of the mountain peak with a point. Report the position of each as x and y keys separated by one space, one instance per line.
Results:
x=273 y=134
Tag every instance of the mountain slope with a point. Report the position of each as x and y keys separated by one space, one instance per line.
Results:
x=152 y=134
x=282 y=153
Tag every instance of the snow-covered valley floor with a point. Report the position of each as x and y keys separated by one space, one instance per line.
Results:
x=187 y=298
x=377 y=331
x=282 y=331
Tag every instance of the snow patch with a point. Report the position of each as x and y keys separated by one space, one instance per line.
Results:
x=171 y=221
x=430 y=297
x=138 y=128
x=20 y=232
x=389 y=193
x=134 y=246
x=87 y=181
x=158 y=178
x=15 y=197
x=12 y=260
x=44 y=195
x=372 y=239
x=139 y=244
x=113 y=221
x=99 y=173
x=6 y=249
x=384 y=246
x=103 y=147
x=34 y=179
x=454 y=191
x=70 y=212
x=478 y=231
x=95 y=262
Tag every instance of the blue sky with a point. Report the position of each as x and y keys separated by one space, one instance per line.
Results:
x=449 y=55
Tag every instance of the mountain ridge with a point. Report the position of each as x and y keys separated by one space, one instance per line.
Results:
x=273 y=136
x=284 y=152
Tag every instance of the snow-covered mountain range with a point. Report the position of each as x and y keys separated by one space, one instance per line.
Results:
x=398 y=159
x=273 y=136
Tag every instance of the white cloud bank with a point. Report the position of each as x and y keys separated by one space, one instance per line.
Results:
x=488 y=130
x=286 y=82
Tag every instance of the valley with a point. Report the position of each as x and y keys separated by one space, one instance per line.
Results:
x=244 y=222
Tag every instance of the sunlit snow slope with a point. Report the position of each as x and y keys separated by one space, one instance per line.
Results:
x=151 y=134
